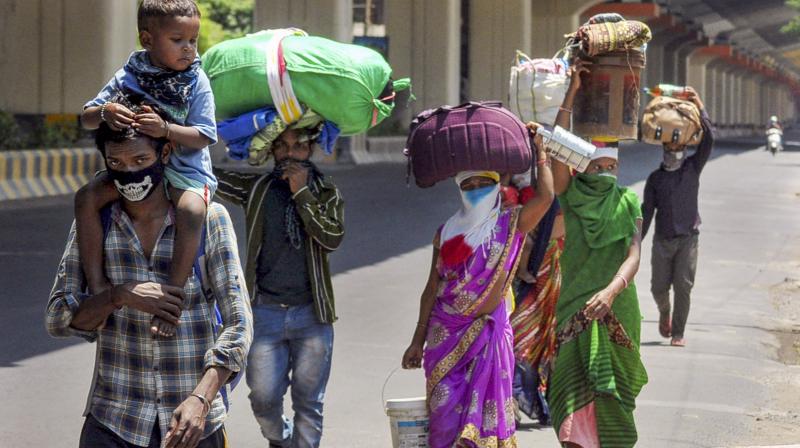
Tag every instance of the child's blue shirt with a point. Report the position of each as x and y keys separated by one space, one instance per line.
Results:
x=191 y=163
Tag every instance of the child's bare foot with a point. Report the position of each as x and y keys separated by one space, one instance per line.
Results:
x=159 y=327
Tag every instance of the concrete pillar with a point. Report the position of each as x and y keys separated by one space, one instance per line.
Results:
x=719 y=93
x=328 y=18
x=763 y=102
x=730 y=96
x=769 y=101
x=56 y=54
x=739 y=96
x=682 y=55
x=552 y=19
x=784 y=102
x=779 y=100
x=758 y=93
x=698 y=75
x=786 y=105
x=734 y=98
x=747 y=95
x=725 y=116
x=789 y=107
x=773 y=99
x=751 y=99
x=425 y=44
x=654 y=72
x=676 y=49
x=665 y=31
x=497 y=28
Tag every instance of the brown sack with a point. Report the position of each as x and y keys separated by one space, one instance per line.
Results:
x=670 y=120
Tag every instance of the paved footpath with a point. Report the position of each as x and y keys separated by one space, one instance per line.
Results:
x=728 y=387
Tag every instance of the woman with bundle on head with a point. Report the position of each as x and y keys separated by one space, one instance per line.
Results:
x=463 y=321
x=597 y=372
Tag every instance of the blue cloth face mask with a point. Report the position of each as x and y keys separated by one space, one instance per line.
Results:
x=472 y=197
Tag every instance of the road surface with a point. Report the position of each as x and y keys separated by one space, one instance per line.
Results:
x=729 y=387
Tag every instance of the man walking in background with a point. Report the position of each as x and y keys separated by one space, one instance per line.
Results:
x=671 y=194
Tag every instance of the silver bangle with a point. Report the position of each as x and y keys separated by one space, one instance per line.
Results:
x=103 y=111
x=204 y=400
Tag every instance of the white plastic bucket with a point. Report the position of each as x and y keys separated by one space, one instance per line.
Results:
x=408 y=419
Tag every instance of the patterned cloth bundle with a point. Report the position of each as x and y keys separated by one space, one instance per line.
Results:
x=607 y=37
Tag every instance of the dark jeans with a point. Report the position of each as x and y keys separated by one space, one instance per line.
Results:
x=95 y=435
x=674 y=262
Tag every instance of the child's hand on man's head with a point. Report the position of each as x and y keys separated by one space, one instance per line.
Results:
x=117 y=116
x=150 y=123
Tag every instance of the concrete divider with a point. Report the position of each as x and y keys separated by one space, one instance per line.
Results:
x=366 y=150
x=46 y=172
x=26 y=174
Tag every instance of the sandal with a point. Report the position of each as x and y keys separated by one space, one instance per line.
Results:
x=664 y=325
x=678 y=342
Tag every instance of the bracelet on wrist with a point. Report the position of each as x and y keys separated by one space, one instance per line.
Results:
x=421 y=325
x=569 y=111
x=166 y=129
x=204 y=400
x=624 y=282
x=103 y=111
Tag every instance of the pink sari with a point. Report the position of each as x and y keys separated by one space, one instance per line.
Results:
x=469 y=359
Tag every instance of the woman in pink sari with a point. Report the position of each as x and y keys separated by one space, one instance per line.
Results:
x=463 y=333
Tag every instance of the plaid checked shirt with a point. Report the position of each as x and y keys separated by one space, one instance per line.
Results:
x=139 y=378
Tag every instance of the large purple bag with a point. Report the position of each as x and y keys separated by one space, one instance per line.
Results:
x=472 y=136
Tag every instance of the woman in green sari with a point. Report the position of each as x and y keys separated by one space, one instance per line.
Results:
x=597 y=372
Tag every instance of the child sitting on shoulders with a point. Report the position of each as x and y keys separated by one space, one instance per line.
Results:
x=167 y=75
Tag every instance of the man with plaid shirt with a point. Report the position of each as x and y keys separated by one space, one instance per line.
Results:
x=153 y=390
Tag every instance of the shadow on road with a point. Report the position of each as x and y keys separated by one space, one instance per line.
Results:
x=384 y=218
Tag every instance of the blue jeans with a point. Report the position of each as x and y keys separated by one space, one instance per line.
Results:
x=289 y=340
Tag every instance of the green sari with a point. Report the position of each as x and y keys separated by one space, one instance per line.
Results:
x=597 y=367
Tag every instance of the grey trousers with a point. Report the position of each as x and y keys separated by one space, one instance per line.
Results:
x=674 y=262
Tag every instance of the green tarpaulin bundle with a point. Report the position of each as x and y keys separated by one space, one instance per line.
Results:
x=347 y=84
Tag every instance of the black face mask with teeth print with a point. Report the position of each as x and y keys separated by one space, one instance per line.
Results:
x=137 y=186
